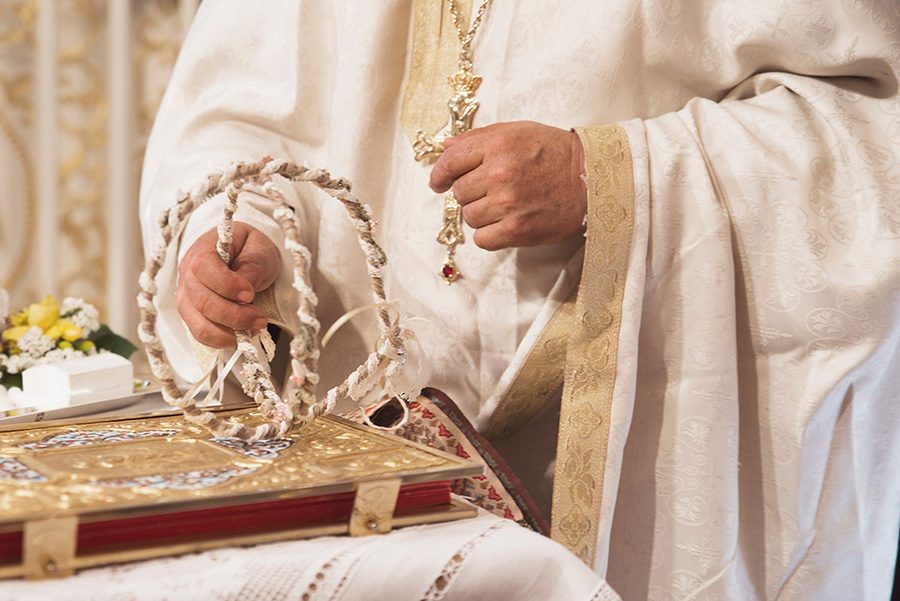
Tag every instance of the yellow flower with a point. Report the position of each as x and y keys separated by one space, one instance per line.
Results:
x=71 y=331
x=55 y=331
x=43 y=314
x=19 y=318
x=65 y=329
x=15 y=332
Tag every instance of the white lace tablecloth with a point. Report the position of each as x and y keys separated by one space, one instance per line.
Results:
x=483 y=558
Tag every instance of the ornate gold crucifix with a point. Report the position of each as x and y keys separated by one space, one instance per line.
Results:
x=462 y=112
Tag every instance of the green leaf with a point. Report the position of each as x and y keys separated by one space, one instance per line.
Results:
x=10 y=380
x=105 y=339
x=99 y=333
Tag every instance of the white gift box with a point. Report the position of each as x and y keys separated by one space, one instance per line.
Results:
x=95 y=378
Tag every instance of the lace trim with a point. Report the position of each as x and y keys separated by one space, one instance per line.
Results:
x=442 y=583
x=319 y=579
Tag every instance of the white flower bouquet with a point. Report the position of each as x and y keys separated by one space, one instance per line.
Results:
x=46 y=332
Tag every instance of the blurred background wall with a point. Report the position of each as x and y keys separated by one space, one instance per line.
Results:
x=80 y=82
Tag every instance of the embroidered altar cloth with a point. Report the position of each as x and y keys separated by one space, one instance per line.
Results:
x=483 y=558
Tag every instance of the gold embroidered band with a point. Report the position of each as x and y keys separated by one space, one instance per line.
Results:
x=434 y=55
x=592 y=348
x=540 y=376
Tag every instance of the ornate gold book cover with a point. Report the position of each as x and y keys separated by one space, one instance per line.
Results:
x=137 y=487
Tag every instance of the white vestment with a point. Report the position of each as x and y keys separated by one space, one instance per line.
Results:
x=751 y=425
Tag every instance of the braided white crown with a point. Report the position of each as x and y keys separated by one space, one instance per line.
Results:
x=300 y=405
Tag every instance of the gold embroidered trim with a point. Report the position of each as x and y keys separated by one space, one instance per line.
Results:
x=433 y=58
x=540 y=376
x=592 y=349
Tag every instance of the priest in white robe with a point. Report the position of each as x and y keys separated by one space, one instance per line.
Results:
x=728 y=422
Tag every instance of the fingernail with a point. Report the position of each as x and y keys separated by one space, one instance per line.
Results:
x=245 y=297
x=260 y=323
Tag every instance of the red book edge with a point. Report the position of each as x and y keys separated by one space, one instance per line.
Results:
x=158 y=529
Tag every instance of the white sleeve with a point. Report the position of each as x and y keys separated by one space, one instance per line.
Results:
x=242 y=89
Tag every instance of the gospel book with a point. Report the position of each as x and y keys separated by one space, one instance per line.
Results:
x=74 y=495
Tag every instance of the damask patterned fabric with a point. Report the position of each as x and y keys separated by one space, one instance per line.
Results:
x=750 y=421
x=754 y=421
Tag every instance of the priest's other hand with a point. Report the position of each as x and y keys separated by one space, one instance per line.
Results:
x=519 y=183
x=212 y=297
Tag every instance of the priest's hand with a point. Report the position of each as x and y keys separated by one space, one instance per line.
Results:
x=519 y=183
x=212 y=297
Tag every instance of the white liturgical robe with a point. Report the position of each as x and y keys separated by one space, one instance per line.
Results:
x=729 y=427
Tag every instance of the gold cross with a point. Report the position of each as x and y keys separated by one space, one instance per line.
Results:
x=462 y=112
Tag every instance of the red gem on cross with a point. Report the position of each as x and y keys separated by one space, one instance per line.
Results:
x=448 y=271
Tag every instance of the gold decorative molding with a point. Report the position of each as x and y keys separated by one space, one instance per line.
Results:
x=157 y=43
x=74 y=234
x=17 y=25
x=20 y=260
x=17 y=19
x=82 y=110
